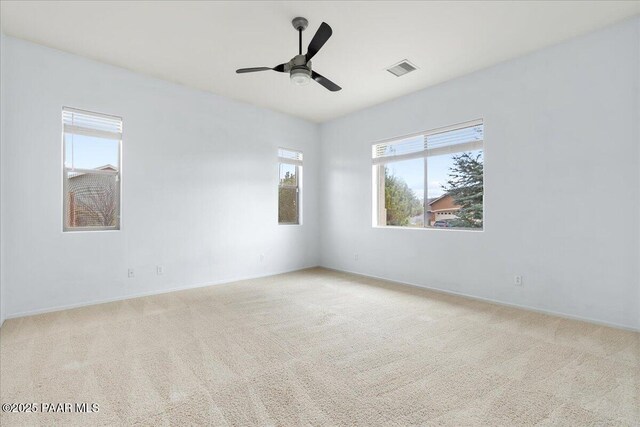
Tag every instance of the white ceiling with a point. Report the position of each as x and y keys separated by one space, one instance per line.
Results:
x=200 y=44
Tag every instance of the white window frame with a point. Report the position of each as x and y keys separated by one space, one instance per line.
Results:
x=379 y=212
x=291 y=157
x=80 y=130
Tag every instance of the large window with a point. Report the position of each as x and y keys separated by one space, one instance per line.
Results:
x=434 y=179
x=91 y=170
x=289 y=186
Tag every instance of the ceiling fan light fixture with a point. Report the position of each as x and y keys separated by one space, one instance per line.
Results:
x=300 y=76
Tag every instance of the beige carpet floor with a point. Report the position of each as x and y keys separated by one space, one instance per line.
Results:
x=318 y=348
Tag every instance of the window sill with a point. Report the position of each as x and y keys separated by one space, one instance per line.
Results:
x=394 y=227
x=89 y=230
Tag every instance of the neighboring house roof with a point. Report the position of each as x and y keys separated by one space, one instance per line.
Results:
x=101 y=168
x=432 y=201
x=105 y=167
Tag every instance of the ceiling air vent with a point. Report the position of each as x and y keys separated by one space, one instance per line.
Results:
x=401 y=68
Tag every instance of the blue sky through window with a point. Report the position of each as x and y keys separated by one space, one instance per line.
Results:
x=412 y=172
x=438 y=168
x=88 y=152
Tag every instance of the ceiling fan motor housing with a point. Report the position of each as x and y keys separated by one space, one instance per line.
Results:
x=300 y=61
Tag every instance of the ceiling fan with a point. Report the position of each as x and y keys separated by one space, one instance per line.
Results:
x=299 y=67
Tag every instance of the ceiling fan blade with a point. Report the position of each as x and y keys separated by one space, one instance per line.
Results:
x=318 y=40
x=279 y=68
x=251 y=70
x=325 y=82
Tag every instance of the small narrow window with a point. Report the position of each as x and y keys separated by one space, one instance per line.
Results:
x=289 y=186
x=91 y=170
x=432 y=179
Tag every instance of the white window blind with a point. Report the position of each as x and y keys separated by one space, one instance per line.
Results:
x=91 y=124
x=290 y=156
x=465 y=136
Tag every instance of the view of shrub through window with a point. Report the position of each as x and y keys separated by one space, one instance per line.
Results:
x=431 y=180
x=91 y=173
x=289 y=186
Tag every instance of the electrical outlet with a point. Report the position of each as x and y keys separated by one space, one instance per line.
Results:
x=517 y=280
x=130 y=273
x=159 y=270
x=356 y=257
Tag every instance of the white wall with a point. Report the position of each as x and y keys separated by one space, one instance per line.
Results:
x=561 y=136
x=637 y=138
x=2 y=124
x=199 y=185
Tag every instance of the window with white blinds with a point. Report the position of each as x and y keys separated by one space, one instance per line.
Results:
x=442 y=141
x=91 y=170
x=289 y=186
x=92 y=124
x=431 y=179
x=289 y=156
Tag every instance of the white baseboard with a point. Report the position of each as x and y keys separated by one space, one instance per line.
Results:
x=146 y=294
x=493 y=301
x=227 y=281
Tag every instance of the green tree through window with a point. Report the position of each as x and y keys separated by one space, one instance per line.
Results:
x=400 y=201
x=466 y=186
x=288 y=199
